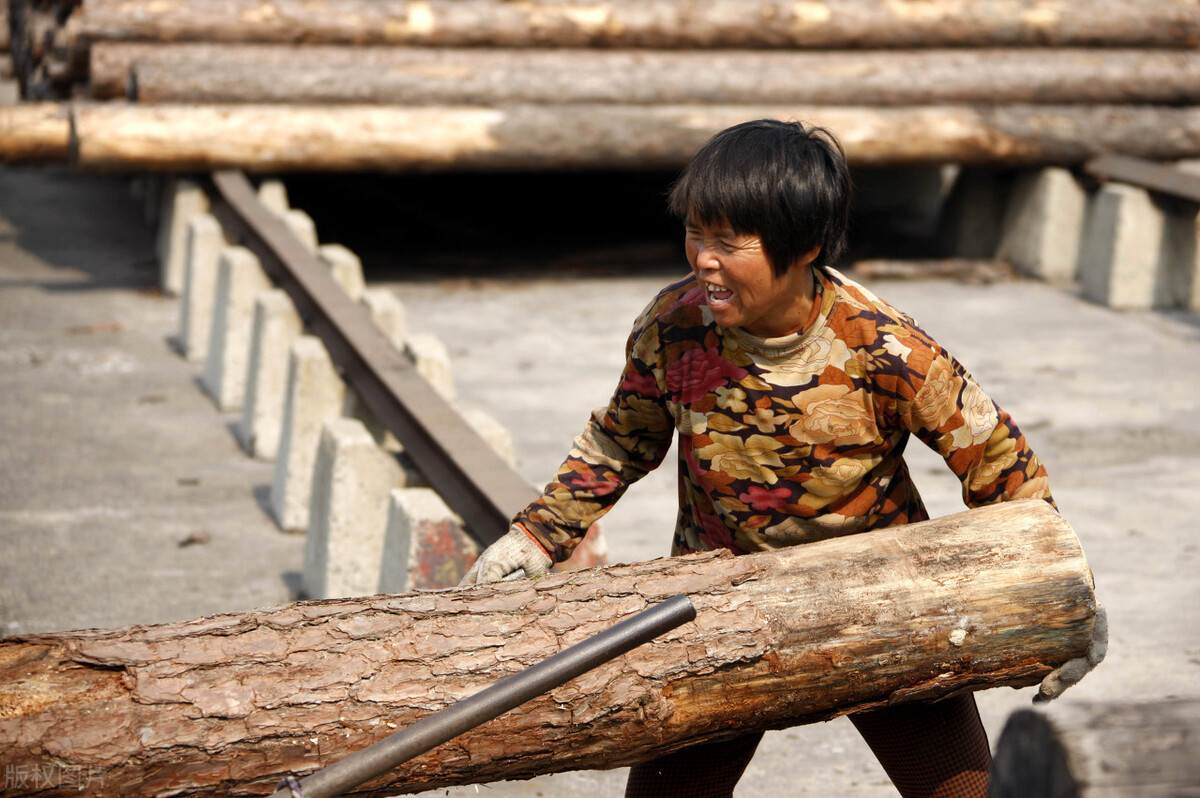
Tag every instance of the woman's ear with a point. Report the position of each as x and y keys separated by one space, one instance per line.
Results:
x=809 y=257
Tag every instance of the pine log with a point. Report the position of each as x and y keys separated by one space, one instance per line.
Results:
x=34 y=133
x=229 y=704
x=118 y=137
x=646 y=23
x=489 y=76
x=1101 y=750
x=707 y=24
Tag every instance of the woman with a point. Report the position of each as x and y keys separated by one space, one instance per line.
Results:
x=793 y=392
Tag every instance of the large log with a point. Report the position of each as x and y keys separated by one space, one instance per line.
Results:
x=34 y=133
x=1101 y=750
x=647 y=23
x=118 y=137
x=825 y=24
x=490 y=76
x=229 y=704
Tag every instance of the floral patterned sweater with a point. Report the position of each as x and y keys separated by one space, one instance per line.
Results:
x=784 y=440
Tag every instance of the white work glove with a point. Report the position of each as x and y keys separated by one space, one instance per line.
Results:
x=1073 y=670
x=514 y=552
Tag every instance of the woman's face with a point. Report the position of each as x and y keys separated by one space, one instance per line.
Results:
x=741 y=287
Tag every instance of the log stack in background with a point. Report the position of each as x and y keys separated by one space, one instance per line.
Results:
x=275 y=85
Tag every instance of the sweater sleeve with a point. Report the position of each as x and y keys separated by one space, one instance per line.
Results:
x=943 y=405
x=619 y=445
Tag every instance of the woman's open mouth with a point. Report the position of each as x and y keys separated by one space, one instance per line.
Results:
x=716 y=294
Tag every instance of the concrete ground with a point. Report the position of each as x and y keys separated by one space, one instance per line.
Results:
x=124 y=497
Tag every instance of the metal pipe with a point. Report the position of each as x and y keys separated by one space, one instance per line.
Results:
x=491 y=702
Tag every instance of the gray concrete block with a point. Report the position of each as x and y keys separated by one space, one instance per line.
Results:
x=355 y=407
x=1043 y=224
x=153 y=186
x=973 y=213
x=1187 y=243
x=345 y=267
x=181 y=200
x=240 y=278
x=387 y=311
x=1118 y=258
x=425 y=546
x=205 y=240
x=432 y=360
x=315 y=394
x=1179 y=259
x=276 y=327
x=494 y=434
x=352 y=480
x=273 y=194
x=10 y=90
x=303 y=227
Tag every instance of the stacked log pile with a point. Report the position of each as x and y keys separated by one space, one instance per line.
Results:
x=438 y=84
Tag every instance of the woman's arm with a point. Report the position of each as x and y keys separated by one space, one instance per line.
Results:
x=620 y=444
x=943 y=405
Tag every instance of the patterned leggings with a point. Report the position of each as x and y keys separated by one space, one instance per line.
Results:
x=928 y=751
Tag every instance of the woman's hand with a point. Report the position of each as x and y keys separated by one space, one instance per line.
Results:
x=1073 y=670
x=514 y=552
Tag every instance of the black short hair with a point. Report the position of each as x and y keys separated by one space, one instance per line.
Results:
x=785 y=183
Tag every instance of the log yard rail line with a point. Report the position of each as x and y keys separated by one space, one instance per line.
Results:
x=473 y=480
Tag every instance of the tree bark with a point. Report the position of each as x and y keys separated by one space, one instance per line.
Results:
x=489 y=76
x=1101 y=750
x=705 y=24
x=116 y=137
x=229 y=704
x=34 y=133
x=647 y=23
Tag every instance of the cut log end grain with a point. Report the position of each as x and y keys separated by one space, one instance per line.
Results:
x=35 y=133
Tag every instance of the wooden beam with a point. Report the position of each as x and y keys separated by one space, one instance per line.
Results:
x=1164 y=178
x=229 y=704
x=118 y=137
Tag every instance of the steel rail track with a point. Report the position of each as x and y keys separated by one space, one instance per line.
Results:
x=471 y=478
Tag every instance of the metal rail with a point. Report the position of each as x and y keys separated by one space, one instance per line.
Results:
x=491 y=702
x=1152 y=175
x=472 y=479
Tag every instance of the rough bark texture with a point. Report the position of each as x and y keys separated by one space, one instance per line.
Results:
x=647 y=23
x=488 y=76
x=228 y=704
x=58 y=53
x=1101 y=750
x=34 y=133
x=114 y=137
